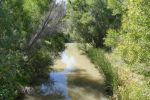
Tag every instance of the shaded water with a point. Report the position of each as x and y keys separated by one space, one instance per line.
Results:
x=77 y=80
x=60 y=79
x=56 y=87
x=59 y=86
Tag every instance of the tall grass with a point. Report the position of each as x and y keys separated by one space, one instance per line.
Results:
x=98 y=58
x=127 y=84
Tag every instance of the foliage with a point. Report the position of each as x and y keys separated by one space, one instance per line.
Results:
x=131 y=41
x=134 y=91
x=89 y=20
x=131 y=86
x=123 y=26
x=98 y=58
x=18 y=20
x=55 y=42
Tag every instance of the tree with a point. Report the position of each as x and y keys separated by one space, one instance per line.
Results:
x=19 y=20
x=131 y=40
x=89 y=20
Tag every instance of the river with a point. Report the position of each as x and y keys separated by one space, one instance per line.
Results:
x=74 y=78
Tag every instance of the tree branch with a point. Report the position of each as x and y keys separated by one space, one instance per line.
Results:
x=41 y=28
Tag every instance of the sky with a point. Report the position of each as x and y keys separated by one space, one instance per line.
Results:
x=58 y=1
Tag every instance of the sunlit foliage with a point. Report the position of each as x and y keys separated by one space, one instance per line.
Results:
x=132 y=40
x=19 y=19
x=89 y=20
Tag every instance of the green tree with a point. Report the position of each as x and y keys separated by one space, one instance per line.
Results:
x=131 y=41
x=89 y=20
x=19 y=19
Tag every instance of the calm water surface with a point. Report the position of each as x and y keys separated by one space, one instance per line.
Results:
x=60 y=86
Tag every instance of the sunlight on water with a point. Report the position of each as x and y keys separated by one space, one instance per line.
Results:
x=59 y=85
x=69 y=61
x=72 y=81
x=59 y=1
x=58 y=88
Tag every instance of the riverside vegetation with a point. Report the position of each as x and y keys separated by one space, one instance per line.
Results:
x=26 y=50
x=119 y=33
x=115 y=35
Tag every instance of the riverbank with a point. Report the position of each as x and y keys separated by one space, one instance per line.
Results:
x=126 y=82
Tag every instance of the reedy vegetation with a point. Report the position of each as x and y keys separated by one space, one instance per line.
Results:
x=122 y=27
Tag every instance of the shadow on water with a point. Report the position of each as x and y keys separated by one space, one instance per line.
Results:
x=86 y=83
x=58 y=87
x=81 y=80
x=55 y=88
x=69 y=84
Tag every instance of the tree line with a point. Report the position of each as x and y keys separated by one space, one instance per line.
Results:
x=118 y=25
x=30 y=39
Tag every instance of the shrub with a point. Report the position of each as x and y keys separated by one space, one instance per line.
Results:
x=131 y=86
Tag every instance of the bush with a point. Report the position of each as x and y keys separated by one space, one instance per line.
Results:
x=39 y=64
x=131 y=86
x=7 y=85
x=18 y=19
x=12 y=74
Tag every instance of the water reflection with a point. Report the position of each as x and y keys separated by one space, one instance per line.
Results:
x=57 y=84
x=59 y=87
x=71 y=83
x=69 y=61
